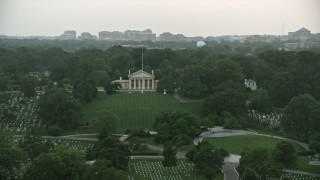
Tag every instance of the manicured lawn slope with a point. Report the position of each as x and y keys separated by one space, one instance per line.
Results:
x=137 y=110
x=237 y=144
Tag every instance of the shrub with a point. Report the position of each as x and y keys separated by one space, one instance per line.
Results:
x=54 y=130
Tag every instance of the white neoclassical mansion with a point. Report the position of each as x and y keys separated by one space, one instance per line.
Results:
x=138 y=80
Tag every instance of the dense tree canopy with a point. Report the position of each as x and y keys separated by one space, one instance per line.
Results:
x=60 y=164
x=169 y=156
x=11 y=157
x=300 y=116
x=228 y=100
x=172 y=124
x=208 y=161
x=58 y=107
x=260 y=161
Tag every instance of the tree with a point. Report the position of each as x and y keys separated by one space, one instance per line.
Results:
x=261 y=102
x=191 y=81
x=58 y=107
x=63 y=163
x=28 y=87
x=296 y=120
x=4 y=82
x=11 y=157
x=259 y=160
x=33 y=144
x=46 y=166
x=285 y=152
x=103 y=169
x=85 y=90
x=249 y=174
x=229 y=100
x=171 y=124
x=112 y=149
x=169 y=156
x=229 y=121
x=207 y=161
x=282 y=88
x=226 y=70
x=166 y=82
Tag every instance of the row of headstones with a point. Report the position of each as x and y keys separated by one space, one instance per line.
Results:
x=26 y=114
x=155 y=170
x=72 y=144
x=295 y=177
x=272 y=120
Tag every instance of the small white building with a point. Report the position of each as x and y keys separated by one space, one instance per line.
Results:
x=137 y=81
x=249 y=83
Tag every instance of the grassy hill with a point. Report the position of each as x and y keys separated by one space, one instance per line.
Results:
x=137 y=110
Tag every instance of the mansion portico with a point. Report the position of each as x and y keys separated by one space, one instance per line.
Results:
x=138 y=80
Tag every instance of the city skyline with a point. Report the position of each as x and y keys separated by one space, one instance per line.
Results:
x=188 y=17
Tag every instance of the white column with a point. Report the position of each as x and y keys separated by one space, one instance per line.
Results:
x=138 y=84
x=152 y=83
x=143 y=84
x=134 y=84
x=129 y=84
x=148 y=81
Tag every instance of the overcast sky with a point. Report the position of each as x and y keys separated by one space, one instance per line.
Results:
x=188 y=17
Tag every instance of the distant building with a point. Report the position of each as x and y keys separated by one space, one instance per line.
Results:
x=68 y=35
x=294 y=45
x=145 y=35
x=87 y=35
x=249 y=83
x=138 y=80
x=108 y=35
x=302 y=34
x=129 y=35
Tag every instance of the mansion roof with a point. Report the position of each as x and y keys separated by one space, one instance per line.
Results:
x=140 y=74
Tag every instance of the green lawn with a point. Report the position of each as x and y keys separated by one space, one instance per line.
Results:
x=237 y=144
x=137 y=110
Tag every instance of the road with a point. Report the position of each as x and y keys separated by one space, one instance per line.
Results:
x=229 y=171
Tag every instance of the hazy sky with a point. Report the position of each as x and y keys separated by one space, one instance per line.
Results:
x=189 y=17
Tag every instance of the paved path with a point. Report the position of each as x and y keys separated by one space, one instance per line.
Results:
x=176 y=95
x=229 y=171
x=180 y=155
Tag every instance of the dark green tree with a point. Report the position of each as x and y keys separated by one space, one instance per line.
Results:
x=28 y=86
x=249 y=174
x=169 y=156
x=259 y=160
x=11 y=157
x=112 y=149
x=102 y=170
x=166 y=82
x=171 y=124
x=46 y=166
x=296 y=121
x=285 y=153
x=4 y=83
x=229 y=100
x=207 y=161
x=261 y=102
x=33 y=144
x=58 y=107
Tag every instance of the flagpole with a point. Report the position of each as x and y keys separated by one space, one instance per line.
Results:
x=142 y=83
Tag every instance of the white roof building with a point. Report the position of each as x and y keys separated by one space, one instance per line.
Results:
x=249 y=83
x=137 y=81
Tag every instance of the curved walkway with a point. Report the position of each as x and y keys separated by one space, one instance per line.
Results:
x=176 y=95
x=230 y=173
